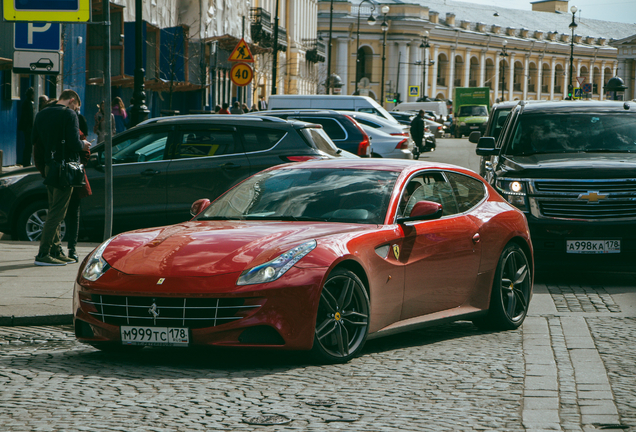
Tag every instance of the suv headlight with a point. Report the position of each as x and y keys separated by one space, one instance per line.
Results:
x=514 y=191
x=96 y=265
x=8 y=181
x=272 y=270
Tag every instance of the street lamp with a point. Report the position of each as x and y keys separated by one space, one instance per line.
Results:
x=385 y=29
x=370 y=21
x=572 y=25
x=503 y=53
x=425 y=64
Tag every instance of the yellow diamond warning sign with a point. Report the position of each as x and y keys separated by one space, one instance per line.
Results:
x=242 y=53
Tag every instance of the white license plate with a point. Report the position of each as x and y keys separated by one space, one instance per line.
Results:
x=155 y=336
x=474 y=127
x=593 y=246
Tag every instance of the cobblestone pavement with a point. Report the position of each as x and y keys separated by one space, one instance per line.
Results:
x=569 y=368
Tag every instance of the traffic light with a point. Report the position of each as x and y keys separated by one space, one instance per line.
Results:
x=396 y=98
x=570 y=90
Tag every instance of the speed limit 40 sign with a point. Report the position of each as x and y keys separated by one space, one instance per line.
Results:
x=241 y=74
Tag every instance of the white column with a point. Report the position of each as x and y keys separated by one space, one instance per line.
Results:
x=526 y=75
x=342 y=63
x=592 y=76
x=601 y=89
x=482 y=68
x=404 y=70
x=433 y=79
x=415 y=71
x=552 y=77
x=575 y=83
x=497 y=69
x=467 y=68
x=511 y=88
x=633 y=86
x=539 y=78
x=451 y=81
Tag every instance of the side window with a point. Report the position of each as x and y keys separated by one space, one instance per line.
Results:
x=369 y=110
x=197 y=142
x=331 y=126
x=368 y=123
x=468 y=191
x=429 y=186
x=259 y=139
x=143 y=147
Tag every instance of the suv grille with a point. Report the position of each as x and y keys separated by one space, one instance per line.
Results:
x=586 y=199
x=172 y=312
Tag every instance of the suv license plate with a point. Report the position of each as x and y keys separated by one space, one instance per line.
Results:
x=155 y=336
x=593 y=246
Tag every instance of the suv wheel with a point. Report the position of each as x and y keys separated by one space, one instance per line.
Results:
x=31 y=222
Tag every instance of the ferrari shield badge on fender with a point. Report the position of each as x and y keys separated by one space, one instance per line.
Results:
x=396 y=252
x=160 y=281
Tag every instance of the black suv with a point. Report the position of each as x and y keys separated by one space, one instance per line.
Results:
x=571 y=168
x=162 y=166
x=343 y=130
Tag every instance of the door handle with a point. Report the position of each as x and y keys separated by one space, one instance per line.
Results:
x=476 y=238
x=150 y=172
x=230 y=166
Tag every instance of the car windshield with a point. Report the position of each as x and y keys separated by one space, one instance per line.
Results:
x=574 y=132
x=475 y=111
x=311 y=194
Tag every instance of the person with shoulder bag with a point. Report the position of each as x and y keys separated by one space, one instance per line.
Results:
x=57 y=145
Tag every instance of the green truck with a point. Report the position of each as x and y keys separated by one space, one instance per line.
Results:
x=470 y=110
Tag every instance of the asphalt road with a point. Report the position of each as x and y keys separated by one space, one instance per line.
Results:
x=456 y=151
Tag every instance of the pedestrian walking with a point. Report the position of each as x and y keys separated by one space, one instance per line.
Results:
x=43 y=101
x=73 y=213
x=100 y=123
x=417 y=131
x=262 y=105
x=217 y=109
x=56 y=137
x=25 y=125
x=121 y=117
x=236 y=108
x=224 y=109
x=245 y=108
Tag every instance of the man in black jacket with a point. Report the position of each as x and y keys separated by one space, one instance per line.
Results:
x=417 y=130
x=56 y=137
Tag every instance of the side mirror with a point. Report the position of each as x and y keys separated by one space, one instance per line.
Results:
x=423 y=210
x=198 y=206
x=486 y=147
x=474 y=137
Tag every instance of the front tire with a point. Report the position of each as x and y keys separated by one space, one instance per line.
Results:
x=31 y=222
x=511 y=291
x=342 y=322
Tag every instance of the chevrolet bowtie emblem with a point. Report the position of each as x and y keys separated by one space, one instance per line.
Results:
x=592 y=197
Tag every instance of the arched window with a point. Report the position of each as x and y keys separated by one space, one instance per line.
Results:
x=365 y=63
x=442 y=69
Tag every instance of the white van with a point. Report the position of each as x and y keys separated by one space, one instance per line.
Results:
x=332 y=102
x=439 y=107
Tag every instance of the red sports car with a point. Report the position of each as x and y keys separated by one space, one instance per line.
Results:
x=314 y=256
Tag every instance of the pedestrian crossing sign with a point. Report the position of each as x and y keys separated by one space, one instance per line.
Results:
x=242 y=53
x=414 y=91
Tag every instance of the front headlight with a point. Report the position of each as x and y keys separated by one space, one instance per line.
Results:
x=96 y=265
x=272 y=270
x=8 y=181
x=514 y=191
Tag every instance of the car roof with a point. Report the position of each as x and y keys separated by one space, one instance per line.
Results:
x=296 y=111
x=577 y=106
x=213 y=118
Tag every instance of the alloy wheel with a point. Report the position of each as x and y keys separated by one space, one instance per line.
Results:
x=35 y=225
x=515 y=285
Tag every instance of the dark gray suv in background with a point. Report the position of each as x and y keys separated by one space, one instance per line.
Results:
x=162 y=166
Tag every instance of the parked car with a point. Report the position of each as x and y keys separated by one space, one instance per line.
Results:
x=392 y=127
x=390 y=146
x=316 y=256
x=329 y=102
x=343 y=130
x=403 y=117
x=161 y=166
x=570 y=166
x=498 y=115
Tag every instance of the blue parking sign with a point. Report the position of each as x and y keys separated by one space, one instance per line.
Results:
x=37 y=36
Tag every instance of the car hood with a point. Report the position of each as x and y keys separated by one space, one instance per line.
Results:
x=207 y=248
x=572 y=165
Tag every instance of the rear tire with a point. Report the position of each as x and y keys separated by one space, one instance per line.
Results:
x=511 y=291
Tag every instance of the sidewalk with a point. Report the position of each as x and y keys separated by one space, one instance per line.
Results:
x=34 y=295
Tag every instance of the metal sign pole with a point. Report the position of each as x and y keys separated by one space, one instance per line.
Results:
x=108 y=139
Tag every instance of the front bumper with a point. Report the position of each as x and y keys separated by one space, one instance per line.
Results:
x=283 y=311
x=470 y=127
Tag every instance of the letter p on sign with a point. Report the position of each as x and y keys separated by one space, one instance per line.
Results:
x=32 y=28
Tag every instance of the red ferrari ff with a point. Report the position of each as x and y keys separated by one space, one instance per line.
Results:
x=314 y=256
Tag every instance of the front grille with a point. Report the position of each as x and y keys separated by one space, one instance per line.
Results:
x=583 y=186
x=610 y=209
x=171 y=312
x=603 y=199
